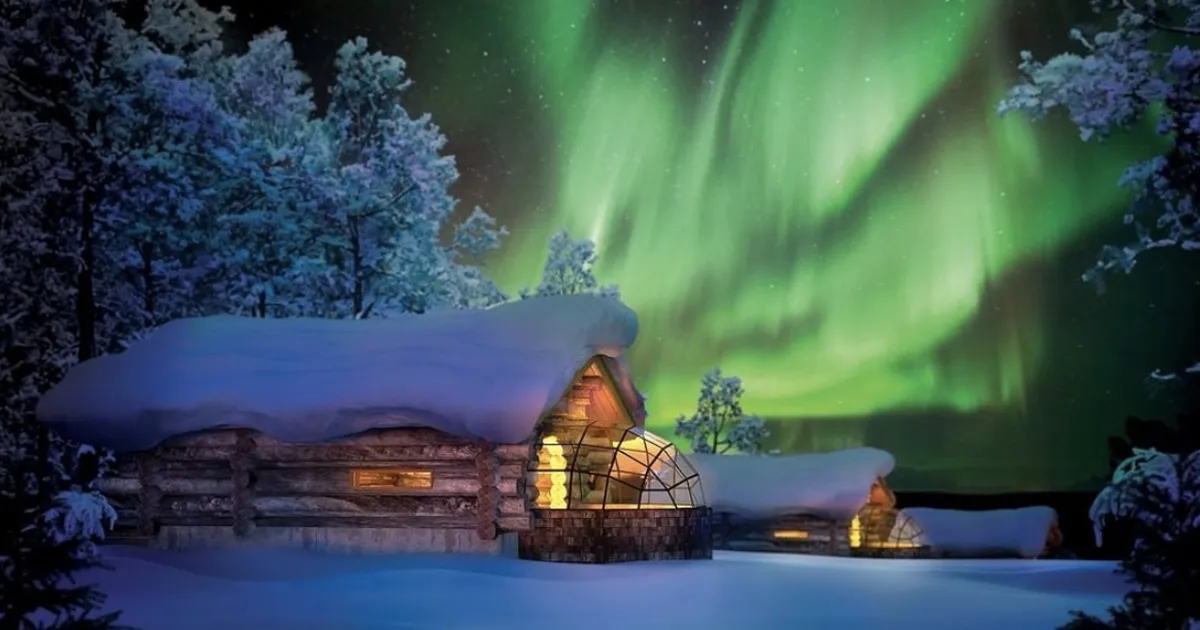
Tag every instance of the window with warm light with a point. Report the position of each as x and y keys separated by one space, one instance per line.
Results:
x=390 y=479
x=589 y=466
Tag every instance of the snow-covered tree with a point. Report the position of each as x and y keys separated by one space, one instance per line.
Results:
x=1146 y=64
x=46 y=537
x=719 y=424
x=273 y=179
x=476 y=237
x=568 y=269
x=1159 y=495
x=383 y=223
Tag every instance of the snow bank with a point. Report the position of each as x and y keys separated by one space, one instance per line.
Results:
x=833 y=485
x=483 y=373
x=1022 y=531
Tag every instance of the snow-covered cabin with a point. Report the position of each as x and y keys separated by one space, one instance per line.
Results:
x=494 y=430
x=834 y=503
x=1029 y=532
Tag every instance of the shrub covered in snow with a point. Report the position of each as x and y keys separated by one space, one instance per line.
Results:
x=1158 y=494
x=46 y=538
x=719 y=425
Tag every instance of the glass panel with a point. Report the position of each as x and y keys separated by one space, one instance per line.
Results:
x=592 y=467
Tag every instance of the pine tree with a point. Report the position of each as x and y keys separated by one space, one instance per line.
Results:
x=271 y=183
x=719 y=424
x=568 y=269
x=384 y=218
x=1158 y=496
x=476 y=237
x=46 y=538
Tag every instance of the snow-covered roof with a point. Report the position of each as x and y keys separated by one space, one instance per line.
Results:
x=488 y=373
x=833 y=485
x=1021 y=531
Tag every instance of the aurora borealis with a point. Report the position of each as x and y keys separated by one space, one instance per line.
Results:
x=816 y=196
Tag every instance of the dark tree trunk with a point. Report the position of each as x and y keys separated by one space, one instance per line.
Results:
x=356 y=270
x=85 y=298
x=147 y=252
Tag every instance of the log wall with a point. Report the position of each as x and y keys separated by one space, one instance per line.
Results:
x=830 y=537
x=235 y=484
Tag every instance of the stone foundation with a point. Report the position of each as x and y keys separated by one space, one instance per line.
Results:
x=602 y=536
x=347 y=540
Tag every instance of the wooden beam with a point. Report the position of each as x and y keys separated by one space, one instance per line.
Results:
x=487 y=508
x=242 y=463
x=390 y=520
x=149 y=495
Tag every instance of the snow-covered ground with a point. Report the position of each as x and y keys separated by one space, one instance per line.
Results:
x=268 y=589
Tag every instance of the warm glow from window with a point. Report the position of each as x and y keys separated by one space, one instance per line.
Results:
x=552 y=484
x=392 y=479
x=855 y=533
x=790 y=534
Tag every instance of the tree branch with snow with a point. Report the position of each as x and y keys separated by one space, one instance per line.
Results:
x=1146 y=65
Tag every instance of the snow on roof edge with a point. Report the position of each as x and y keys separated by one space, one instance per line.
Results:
x=489 y=374
x=833 y=484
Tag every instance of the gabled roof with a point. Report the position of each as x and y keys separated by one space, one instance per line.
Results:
x=489 y=374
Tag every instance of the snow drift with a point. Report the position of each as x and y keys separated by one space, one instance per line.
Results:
x=1021 y=531
x=487 y=373
x=832 y=485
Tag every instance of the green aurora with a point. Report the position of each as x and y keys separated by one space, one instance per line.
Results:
x=817 y=197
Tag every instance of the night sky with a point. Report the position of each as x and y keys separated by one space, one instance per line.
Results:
x=817 y=197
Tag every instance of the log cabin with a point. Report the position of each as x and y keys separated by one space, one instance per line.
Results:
x=835 y=503
x=514 y=430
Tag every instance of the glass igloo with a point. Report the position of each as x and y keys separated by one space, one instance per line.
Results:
x=598 y=467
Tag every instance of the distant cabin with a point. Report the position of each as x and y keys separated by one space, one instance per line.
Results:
x=514 y=430
x=835 y=503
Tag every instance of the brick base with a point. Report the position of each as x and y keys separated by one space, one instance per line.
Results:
x=602 y=536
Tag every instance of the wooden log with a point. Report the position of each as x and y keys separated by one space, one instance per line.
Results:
x=115 y=486
x=121 y=486
x=339 y=481
x=520 y=453
x=513 y=505
x=487 y=509
x=242 y=499
x=515 y=523
x=356 y=453
x=201 y=453
x=363 y=505
x=177 y=504
x=149 y=496
x=358 y=521
x=168 y=469
x=227 y=437
x=196 y=520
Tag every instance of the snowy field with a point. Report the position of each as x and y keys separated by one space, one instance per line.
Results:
x=268 y=589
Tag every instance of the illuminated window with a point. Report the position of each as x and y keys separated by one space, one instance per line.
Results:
x=790 y=534
x=391 y=479
x=883 y=528
x=589 y=466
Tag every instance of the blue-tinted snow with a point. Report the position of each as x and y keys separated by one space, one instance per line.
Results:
x=479 y=373
x=260 y=589
x=833 y=484
x=1020 y=531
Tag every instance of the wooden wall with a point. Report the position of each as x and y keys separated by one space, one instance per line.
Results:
x=824 y=536
x=243 y=480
